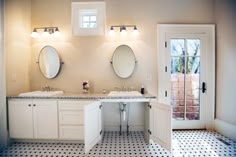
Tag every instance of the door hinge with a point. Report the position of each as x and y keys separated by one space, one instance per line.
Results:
x=149 y=131
x=165 y=68
x=165 y=93
x=150 y=106
x=165 y=44
x=100 y=132
x=100 y=106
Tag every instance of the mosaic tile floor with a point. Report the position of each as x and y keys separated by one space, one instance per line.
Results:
x=185 y=144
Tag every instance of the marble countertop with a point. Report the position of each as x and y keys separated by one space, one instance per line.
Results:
x=83 y=96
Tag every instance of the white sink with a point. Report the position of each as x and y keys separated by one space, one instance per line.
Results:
x=41 y=93
x=124 y=93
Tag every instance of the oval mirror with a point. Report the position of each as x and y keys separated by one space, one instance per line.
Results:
x=49 y=62
x=123 y=61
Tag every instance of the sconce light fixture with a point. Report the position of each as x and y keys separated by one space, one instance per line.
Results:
x=47 y=31
x=123 y=29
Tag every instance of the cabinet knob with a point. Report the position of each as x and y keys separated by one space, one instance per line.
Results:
x=29 y=104
x=34 y=105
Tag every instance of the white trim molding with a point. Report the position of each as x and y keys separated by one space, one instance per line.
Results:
x=3 y=110
x=225 y=129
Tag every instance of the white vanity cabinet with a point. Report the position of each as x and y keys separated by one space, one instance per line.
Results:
x=76 y=120
x=20 y=114
x=80 y=120
x=30 y=119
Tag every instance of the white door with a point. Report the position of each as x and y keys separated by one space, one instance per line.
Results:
x=186 y=59
x=160 y=124
x=92 y=123
x=186 y=74
x=45 y=119
x=20 y=118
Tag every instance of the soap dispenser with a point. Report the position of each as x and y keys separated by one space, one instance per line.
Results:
x=142 y=91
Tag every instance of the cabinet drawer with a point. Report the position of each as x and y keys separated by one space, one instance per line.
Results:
x=73 y=105
x=72 y=132
x=71 y=117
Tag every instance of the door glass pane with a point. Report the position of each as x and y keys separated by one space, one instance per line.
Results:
x=192 y=88
x=185 y=79
x=177 y=87
x=193 y=47
x=177 y=46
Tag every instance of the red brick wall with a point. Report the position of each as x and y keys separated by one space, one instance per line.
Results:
x=192 y=96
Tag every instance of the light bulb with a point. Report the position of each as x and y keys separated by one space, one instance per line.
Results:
x=35 y=34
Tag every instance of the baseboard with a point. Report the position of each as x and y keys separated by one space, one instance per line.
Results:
x=225 y=129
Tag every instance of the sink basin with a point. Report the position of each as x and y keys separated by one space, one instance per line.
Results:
x=124 y=93
x=41 y=93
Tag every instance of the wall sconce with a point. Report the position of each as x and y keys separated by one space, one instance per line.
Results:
x=123 y=29
x=47 y=31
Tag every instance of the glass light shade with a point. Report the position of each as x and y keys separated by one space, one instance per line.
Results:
x=56 y=33
x=136 y=32
x=35 y=34
x=123 y=31
x=112 y=32
x=45 y=33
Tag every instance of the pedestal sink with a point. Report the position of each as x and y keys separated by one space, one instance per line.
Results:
x=124 y=93
x=41 y=93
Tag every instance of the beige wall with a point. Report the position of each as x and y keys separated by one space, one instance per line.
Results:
x=17 y=45
x=225 y=13
x=87 y=58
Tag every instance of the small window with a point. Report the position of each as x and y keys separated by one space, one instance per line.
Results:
x=88 y=18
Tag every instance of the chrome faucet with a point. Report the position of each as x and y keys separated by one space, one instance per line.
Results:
x=47 y=88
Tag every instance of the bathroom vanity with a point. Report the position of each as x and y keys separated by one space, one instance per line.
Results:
x=78 y=118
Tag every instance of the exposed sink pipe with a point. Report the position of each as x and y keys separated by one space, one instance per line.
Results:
x=124 y=116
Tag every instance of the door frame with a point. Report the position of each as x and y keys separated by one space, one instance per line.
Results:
x=163 y=85
x=4 y=140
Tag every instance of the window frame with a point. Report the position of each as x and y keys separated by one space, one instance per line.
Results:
x=79 y=9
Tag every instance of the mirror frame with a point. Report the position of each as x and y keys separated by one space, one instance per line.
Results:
x=59 y=69
x=135 y=61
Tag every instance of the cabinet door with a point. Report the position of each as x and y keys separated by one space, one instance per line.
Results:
x=92 y=125
x=20 y=118
x=45 y=119
x=147 y=123
x=160 y=124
